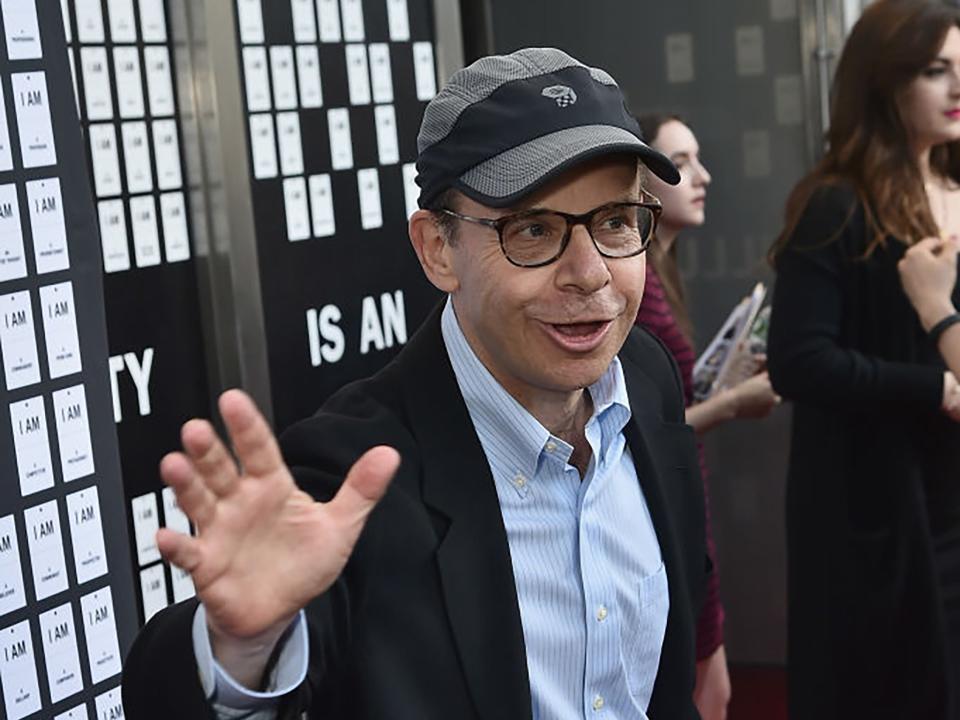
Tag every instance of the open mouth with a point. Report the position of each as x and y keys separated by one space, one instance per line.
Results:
x=580 y=336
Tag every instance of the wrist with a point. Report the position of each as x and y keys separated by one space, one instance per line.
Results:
x=729 y=403
x=245 y=658
x=933 y=313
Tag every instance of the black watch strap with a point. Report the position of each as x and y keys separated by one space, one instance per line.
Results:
x=937 y=330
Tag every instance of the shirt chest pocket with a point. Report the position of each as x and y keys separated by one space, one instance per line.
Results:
x=642 y=635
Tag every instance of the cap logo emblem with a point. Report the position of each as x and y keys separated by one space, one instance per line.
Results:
x=562 y=94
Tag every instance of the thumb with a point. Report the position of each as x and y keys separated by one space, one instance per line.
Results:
x=366 y=483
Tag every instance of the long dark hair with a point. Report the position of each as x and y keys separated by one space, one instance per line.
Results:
x=868 y=146
x=664 y=261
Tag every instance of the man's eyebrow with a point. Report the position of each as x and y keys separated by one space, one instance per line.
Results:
x=680 y=156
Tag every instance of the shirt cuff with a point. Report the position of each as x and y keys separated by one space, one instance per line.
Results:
x=287 y=675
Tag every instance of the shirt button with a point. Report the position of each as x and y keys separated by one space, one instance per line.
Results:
x=602 y=613
x=551 y=447
x=598 y=703
x=519 y=481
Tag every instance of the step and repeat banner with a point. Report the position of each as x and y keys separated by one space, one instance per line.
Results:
x=67 y=611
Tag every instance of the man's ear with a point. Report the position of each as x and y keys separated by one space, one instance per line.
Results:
x=433 y=251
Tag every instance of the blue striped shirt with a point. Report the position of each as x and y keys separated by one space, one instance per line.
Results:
x=591 y=584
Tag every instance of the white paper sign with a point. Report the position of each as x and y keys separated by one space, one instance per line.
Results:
x=60 y=652
x=173 y=517
x=153 y=590
x=321 y=206
x=166 y=147
x=679 y=50
x=96 y=82
x=145 y=526
x=284 y=80
x=382 y=77
x=750 y=53
x=100 y=630
x=386 y=121
x=18 y=341
x=6 y=151
x=18 y=672
x=352 y=13
x=304 y=21
x=123 y=26
x=110 y=705
x=341 y=146
x=424 y=70
x=328 y=20
x=77 y=713
x=183 y=587
x=411 y=191
x=308 y=76
x=146 y=237
x=368 y=184
x=13 y=261
x=250 y=16
x=263 y=146
x=73 y=432
x=31 y=444
x=788 y=99
x=756 y=154
x=295 y=203
x=47 y=224
x=153 y=21
x=12 y=594
x=113 y=236
x=22 y=30
x=291 y=148
x=358 y=74
x=89 y=21
x=126 y=62
x=106 y=160
x=176 y=240
x=136 y=154
x=33 y=119
x=256 y=78
x=399 y=20
x=60 y=329
x=86 y=532
x=45 y=540
x=159 y=80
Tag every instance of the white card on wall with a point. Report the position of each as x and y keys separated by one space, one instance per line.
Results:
x=159 y=80
x=73 y=76
x=679 y=51
x=22 y=29
x=89 y=21
x=45 y=540
x=47 y=225
x=399 y=20
x=358 y=74
x=6 y=150
x=146 y=236
x=60 y=329
x=110 y=705
x=283 y=77
x=783 y=9
x=291 y=148
x=788 y=99
x=65 y=12
x=18 y=341
x=328 y=20
x=308 y=76
x=153 y=21
x=31 y=445
x=106 y=160
x=166 y=150
x=100 y=631
x=295 y=204
x=756 y=153
x=123 y=26
x=387 y=146
x=368 y=185
x=77 y=713
x=18 y=672
x=382 y=78
x=183 y=587
x=145 y=526
x=96 y=82
x=153 y=590
x=33 y=119
x=341 y=146
x=411 y=191
x=250 y=17
x=304 y=21
x=13 y=260
x=86 y=533
x=750 y=51
x=136 y=155
x=321 y=206
x=12 y=593
x=126 y=63
x=256 y=78
x=351 y=11
x=263 y=146
x=176 y=239
x=113 y=236
x=173 y=517
x=73 y=432
x=424 y=70
x=60 y=652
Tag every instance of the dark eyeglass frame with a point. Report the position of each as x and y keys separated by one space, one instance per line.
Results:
x=586 y=219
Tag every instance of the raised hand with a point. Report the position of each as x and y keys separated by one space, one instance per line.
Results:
x=264 y=548
x=754 y=397
x=928 y=272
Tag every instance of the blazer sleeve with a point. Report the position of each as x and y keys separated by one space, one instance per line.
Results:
x=806 y=360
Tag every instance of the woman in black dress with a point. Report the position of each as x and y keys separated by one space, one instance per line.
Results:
x=873 y=492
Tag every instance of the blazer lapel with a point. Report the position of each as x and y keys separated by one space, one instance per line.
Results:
x=473 y=556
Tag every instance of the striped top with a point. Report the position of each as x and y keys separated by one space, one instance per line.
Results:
x=591 y=584
x=657 y=317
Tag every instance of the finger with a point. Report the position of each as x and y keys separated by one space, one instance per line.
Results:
x=252 y=437
x=193 y=496
x=181 y=550
x=366 y=483
x=210 y=456
x=929 y=244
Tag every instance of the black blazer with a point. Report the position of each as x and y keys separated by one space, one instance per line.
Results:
x=424 y=621
x=873 y=475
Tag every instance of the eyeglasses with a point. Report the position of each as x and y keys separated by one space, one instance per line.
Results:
x=533 y=238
